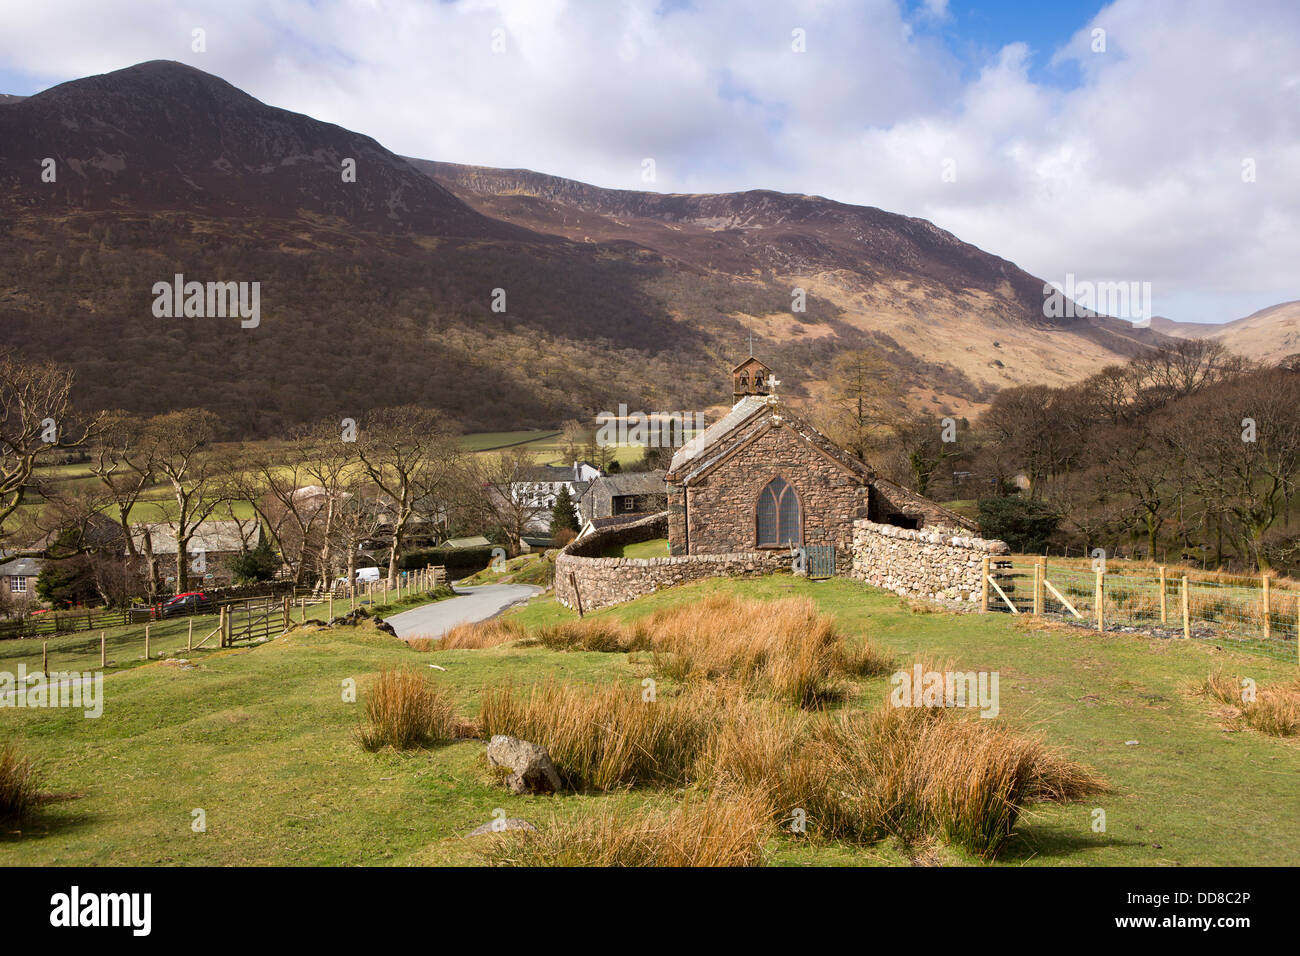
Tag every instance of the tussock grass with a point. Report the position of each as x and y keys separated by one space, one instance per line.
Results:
x=607 y=738
x=404 y=711
x=785 y=649
x=421 y=644
x=716 y=830
x=19 y=785
x=490 y=633
x=596 y=634
x=913 y=773
x=1274 y=711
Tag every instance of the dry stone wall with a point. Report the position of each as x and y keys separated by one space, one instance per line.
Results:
x=603 y=582
x=929 y=564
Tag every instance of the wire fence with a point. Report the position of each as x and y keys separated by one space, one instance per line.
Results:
x=241 y=621
x=1254 y=614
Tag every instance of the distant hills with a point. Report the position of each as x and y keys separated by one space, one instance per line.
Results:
x=1268 y=335
x=382 y=290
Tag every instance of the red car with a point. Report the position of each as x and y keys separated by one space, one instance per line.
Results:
x=191 y=602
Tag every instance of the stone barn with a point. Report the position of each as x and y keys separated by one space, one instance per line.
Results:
x=761 y=478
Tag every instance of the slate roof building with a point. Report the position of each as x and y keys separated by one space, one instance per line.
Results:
x=763 y=478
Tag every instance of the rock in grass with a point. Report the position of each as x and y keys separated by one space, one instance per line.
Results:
x=510 y=823
x=530 y=764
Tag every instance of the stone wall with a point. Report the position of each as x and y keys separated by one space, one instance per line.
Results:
x=603 y=582
x=928 y=564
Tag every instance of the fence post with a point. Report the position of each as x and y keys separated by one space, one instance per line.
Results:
x=1268 y=610
x=331 y=615
x=1164 y=607
x=286 y=612
x=1040 y=575
x=984 y=587
x=1187 y=616
x=103 y=659
x=45 y=657
x=146 y=642
x=189 y=639
x=1100 y=601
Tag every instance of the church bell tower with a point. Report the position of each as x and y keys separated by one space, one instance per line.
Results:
x=750 y=377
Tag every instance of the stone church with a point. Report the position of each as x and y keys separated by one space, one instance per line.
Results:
x=763 y=478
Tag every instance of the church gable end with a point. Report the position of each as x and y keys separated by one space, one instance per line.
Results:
x=761 y=479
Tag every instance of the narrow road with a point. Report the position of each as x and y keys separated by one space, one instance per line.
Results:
x=475 y=604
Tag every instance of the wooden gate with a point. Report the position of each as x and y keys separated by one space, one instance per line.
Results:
x=821 y=561
x=257 y=619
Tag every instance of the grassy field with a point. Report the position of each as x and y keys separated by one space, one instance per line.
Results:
x=656 y=548
x=262 y=741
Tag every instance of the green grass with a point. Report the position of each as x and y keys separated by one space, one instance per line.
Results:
x=261 y=740
x=656 y=548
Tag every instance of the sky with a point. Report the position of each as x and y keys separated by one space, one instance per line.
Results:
x=1153 y=141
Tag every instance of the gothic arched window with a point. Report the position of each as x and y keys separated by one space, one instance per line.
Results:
x=777 y=514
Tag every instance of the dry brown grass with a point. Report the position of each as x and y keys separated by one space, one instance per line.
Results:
x=607 y=738
x=785 y=649
x=405 y=710
x=490 y=633
x=1274 y=711
x=422 y=644
x=604 y=634
x=913 y=773
x=716 y=830
x=19 y=785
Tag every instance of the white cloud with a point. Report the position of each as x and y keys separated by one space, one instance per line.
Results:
x=1135 y=173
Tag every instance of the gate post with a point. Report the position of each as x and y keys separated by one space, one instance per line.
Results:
x=984 y=587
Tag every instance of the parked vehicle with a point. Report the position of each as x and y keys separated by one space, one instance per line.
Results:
x=191 y=602
x=364 y=576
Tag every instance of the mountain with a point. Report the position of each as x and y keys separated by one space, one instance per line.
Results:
x=901 y=281
x=507 y=298
x=162 y=135
x=1268 y=335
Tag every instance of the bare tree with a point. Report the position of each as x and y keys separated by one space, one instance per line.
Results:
x=124 y=461
x=864 y=410
x=187 y=463
x=36 y=421
x=512 y=510
x=413 y=458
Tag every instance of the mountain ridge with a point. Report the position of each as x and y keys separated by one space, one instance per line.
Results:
x=382 y=291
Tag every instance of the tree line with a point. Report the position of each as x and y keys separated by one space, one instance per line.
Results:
x=1186 y=452
x=325 y=496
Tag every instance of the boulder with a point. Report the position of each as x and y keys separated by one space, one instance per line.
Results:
x=531 y=770
x=510 y=823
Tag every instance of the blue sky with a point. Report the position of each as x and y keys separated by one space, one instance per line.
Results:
x=974 y=32
x=999 y=121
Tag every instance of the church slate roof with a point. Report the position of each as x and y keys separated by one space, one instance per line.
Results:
x=743 y=410
x=746 y=419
